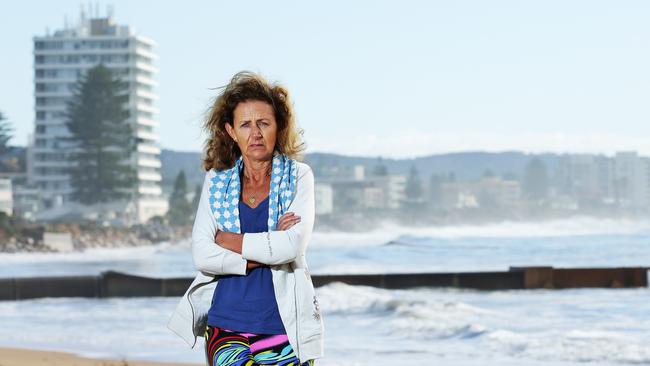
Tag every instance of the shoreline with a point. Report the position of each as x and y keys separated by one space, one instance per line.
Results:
x=12 y=356
x=31 y=238
x=142 y=236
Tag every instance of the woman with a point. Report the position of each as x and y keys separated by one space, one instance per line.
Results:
x=253 y=300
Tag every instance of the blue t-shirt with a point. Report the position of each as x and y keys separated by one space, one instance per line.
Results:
x=247 y=303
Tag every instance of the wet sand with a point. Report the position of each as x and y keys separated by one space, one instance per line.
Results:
x=29 y=357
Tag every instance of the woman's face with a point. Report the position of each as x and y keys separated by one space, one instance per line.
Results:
x=254 y=129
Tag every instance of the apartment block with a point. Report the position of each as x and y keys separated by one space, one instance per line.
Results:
x=60 y=60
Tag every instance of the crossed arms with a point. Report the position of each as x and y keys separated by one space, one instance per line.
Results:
x=272 y=248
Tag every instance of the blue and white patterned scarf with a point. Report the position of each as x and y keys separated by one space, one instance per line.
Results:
x=225 y=190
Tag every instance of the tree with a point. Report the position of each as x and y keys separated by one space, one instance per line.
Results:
x=435 y=189
x=413 y=189
x=179 y=208
x=102 y=139
x=5 y=134
x=535 y=180
x=6 y=227
x=509 y=176
x=380 y=170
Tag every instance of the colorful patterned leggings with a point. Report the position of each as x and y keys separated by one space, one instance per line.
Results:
x=224 y=347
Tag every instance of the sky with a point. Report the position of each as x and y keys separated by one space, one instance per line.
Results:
x=397 y=79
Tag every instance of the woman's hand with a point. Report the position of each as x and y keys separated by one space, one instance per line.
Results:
x=287 y=220
x=252 y=264
x=284 y=223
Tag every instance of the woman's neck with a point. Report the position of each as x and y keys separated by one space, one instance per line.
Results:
x=257 y=172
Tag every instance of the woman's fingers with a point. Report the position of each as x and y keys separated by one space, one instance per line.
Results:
x=290 y=219
x=287 y=220
x=287 y=225
x=288 y=216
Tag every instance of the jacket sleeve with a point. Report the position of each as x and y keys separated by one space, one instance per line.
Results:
x=284 y=246
x=208 y=256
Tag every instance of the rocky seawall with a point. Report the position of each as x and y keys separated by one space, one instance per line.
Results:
x=31 y=239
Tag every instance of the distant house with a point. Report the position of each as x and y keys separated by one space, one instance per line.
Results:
x=27 y=201
x=6 y=197
x=323 y=197
x=487 y=192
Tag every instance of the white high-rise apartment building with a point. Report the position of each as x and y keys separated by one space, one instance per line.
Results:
x=60 y=59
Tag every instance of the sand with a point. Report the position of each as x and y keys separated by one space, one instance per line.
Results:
x=29 y=357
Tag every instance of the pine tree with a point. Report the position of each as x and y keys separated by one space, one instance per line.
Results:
x=179 y=208
x=5 y=134
x=380 y=169
x=435 y=189
x=536 y=180
x=413 y=189
x=102 y=139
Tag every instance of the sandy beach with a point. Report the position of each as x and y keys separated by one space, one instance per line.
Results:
x=29 y=357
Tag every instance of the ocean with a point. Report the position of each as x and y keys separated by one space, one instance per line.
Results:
x=373 y=326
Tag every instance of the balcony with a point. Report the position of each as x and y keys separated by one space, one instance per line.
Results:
x=147 y=122
x=150 y=163
x=146 y=67
x=145 y=108
x=146 y=94
x=148 y=148
x=144 y=80
x=145 y=135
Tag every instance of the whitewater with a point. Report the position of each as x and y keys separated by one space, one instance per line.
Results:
x=373 y=326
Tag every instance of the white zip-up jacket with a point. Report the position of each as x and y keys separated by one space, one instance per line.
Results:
x=284 y=252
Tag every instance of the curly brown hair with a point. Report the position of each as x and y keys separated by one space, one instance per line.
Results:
x=221 y=151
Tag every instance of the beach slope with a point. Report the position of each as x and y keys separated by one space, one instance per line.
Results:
x=29 y=357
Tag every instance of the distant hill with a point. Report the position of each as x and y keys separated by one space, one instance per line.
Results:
x=172 y=163
x=467 y=166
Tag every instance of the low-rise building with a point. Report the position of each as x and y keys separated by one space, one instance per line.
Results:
x=6 y=197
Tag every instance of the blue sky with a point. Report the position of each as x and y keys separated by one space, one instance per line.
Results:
x=396 y=79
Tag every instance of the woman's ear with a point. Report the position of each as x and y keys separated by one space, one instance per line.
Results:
x=230 y=131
